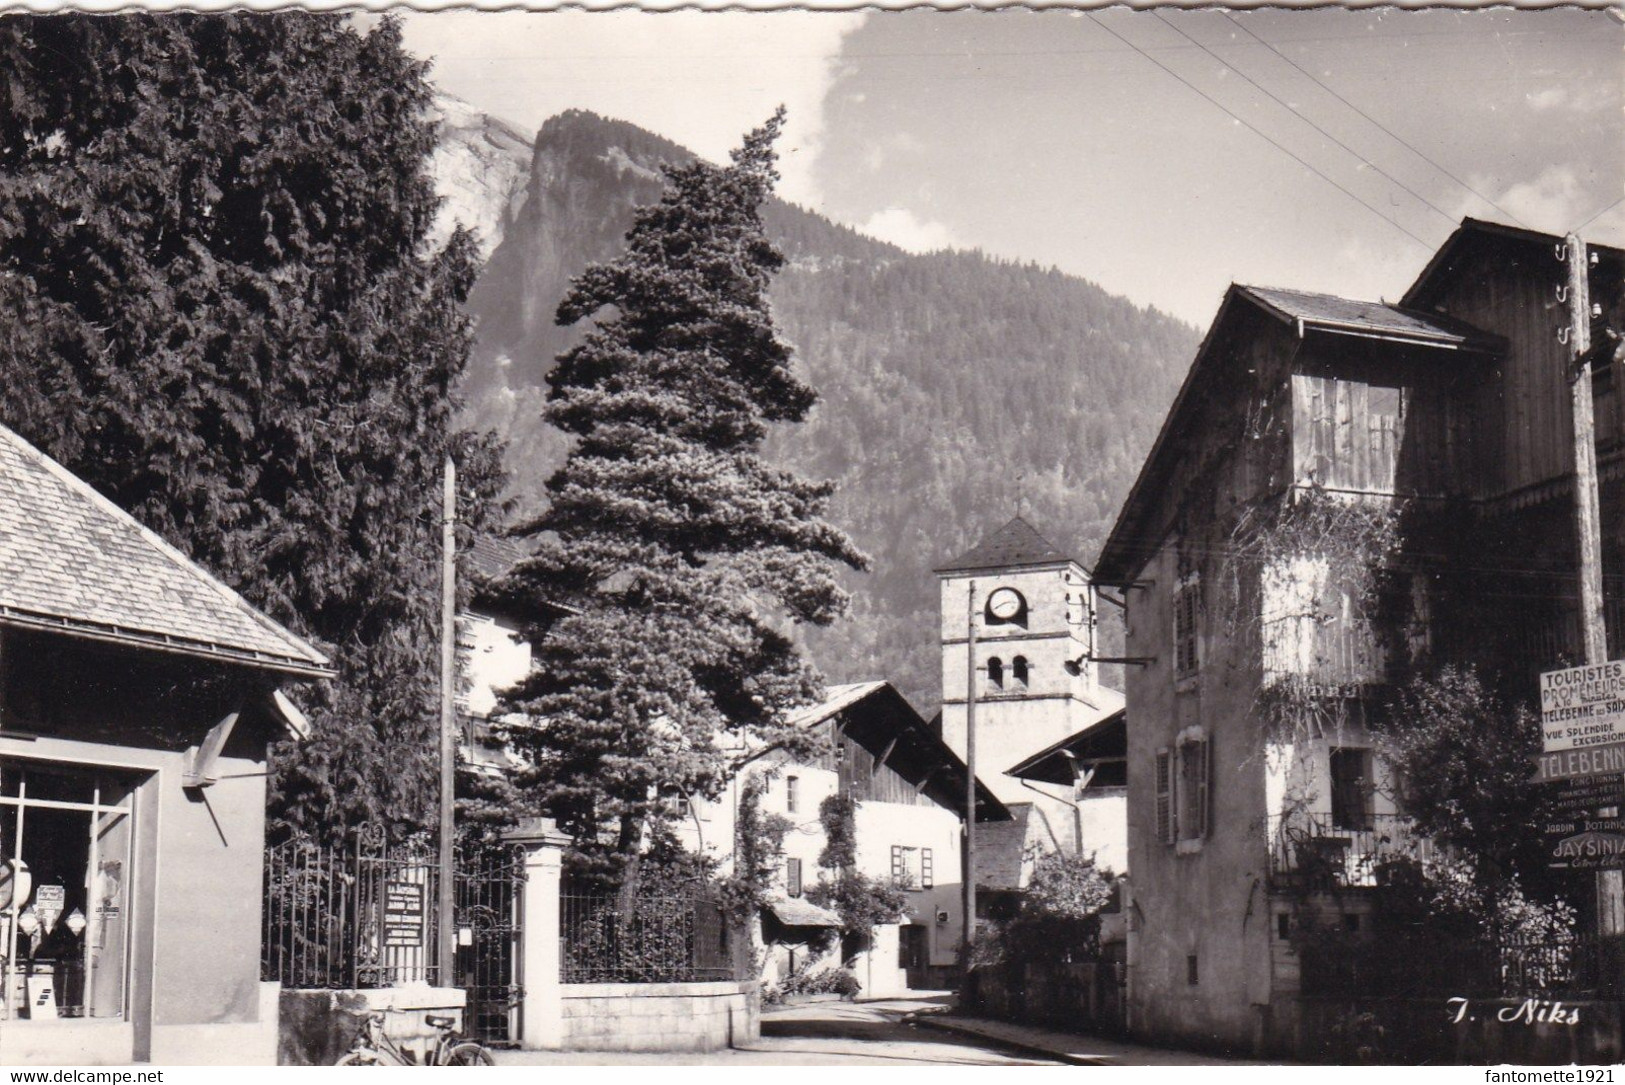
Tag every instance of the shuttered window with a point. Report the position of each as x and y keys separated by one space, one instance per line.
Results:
x=927 y=875
x=1187 y=611
x=899 y=865
x=1165 y=805
x=1192 y=786
x=792 y=877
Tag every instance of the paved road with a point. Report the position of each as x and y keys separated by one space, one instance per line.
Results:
x=821 y=1034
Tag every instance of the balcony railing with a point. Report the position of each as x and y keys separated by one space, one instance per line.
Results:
x=1311 y=851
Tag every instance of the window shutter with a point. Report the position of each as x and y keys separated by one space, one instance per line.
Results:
x=1204 y=769
x=1165 y=805
x=927 y=876
x=792 y=877
x=898 y=870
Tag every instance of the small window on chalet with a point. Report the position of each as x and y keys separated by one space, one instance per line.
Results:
x=1187 y=616
x=911 y=868
x=1352 y=790
x=995 y=672
x=1018 y=672
x=792 y=877
x=792 y=794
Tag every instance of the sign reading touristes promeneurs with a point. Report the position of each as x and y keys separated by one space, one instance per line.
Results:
x=1582 y=707
x=1582 y=722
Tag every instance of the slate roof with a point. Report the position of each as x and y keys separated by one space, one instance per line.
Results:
x=1015 y=545
x=836 y=699
x=795 y=912
x=72 y=562
x=1001 y=850
x=1368 y=317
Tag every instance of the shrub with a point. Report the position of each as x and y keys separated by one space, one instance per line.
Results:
x=822 y=981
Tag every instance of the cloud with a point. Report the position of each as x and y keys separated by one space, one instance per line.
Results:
x=908 y=231
x=1586 y=98
x=701 y=79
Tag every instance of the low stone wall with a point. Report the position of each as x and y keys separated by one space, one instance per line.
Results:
x=660 y=1016
x=316 y=1027
x=1482 y=1033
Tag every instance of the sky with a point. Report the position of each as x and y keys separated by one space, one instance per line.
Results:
x=1160 y=154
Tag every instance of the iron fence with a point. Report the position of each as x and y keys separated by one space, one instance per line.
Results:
x=649 y=938
x=1425 y=964
x=1310 y=851
x=360 y=914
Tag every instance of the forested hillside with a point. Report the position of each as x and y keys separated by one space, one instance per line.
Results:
x=952 y=386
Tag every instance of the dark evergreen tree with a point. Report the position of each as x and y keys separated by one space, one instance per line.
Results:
x=219 y=306
x=685 y=551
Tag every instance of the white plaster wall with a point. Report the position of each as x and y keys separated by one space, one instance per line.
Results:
x=493 y=657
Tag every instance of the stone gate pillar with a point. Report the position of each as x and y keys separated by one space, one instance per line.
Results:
x=541 y=1013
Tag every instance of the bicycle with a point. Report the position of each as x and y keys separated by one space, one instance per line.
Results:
x=373 y=1047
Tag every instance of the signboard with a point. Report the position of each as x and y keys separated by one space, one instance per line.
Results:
x=48 y=903
x=1586 y=843
x=1570 y=764
x=1582 y=707
x=403 y=913
x=1588 y=794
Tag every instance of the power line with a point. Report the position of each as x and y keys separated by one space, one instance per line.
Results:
x=1263 y=135
x=1599 y=214
x=1288 y=106
x=1373 y=121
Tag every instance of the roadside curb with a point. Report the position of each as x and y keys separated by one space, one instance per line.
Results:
x=945 y=1023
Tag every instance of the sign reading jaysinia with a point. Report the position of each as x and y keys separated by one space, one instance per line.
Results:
x=1582 y=707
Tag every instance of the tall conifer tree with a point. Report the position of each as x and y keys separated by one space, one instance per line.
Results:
x=219 y=306
x=686 y=553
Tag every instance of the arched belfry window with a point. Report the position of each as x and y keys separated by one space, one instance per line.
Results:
x=995 y=672
x=1018 y=671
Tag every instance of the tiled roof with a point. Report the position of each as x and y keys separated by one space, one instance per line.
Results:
x=492 y=556
x=1013 y=546
x=1374 y=317
x=73 y=562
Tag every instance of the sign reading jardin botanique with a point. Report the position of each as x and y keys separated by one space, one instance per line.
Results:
x=403 y=913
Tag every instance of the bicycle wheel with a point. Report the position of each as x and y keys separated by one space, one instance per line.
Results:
x=356 y=1058
x=469 y=1054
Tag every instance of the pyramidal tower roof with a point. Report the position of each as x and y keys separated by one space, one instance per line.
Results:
x=1016 y=545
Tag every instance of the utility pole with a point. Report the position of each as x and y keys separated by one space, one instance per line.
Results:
x=969 y=878
x=446 y=958
x=1610 y=893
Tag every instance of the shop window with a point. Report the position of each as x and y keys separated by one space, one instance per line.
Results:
x=65 y=842
x=1352 y=791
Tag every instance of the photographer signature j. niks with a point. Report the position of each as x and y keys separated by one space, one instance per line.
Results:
x=1532 y=1011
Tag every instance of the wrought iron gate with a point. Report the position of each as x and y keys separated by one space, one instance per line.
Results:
x=364 y=914
x=490 y=894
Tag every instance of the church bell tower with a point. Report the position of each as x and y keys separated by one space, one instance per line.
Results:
x=1032 y=608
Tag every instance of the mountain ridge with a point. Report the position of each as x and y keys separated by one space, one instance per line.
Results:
x=953 y=386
